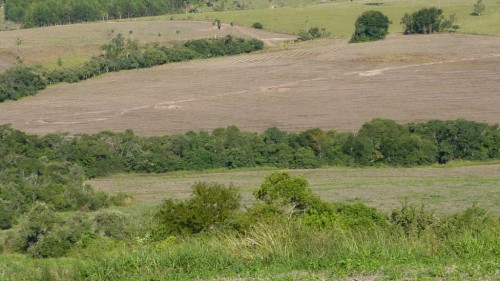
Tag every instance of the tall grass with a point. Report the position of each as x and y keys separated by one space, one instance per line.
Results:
x=463 y=247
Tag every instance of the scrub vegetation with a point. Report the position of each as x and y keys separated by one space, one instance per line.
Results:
x=237 y=204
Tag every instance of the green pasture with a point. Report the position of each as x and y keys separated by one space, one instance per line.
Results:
x=338 y=17
x=444 y=190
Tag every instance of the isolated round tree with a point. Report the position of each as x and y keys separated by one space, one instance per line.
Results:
x=370 y=26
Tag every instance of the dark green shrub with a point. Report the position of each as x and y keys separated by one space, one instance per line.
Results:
x=39 y=221
x=211 y=206
x=62 y=237
x=257 y=25
x=7 y=215
x=153 y=56
x=311 y=34
x=305 y=158
x=22 y=81
x=426 y=21
x=370 y=26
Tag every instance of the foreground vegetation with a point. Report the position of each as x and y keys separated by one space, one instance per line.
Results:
x=52 y=168
x=287 y=233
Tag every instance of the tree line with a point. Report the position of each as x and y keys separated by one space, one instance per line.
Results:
x=33 y=13
x=120 y=54
x=52 y=168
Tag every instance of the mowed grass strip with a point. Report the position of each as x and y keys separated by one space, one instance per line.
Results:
x=445 y=189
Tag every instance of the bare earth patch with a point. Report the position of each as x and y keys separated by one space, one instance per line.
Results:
x=327 y=83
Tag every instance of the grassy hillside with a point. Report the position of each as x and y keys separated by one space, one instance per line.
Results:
x=338 y=17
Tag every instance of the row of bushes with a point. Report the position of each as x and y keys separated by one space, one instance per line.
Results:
x=52 y=168
x=119 y=54
x=378 y=142
x=281 y=196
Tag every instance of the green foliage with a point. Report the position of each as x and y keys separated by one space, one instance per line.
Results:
x=114 y=224
x=52 y=169
x=478 y=8
x=121 y=53
x=21 y=81
x=344 y=216
x=312 y=33
x=32 y=13
x=211 y=206
x=38 y=222
x=370 y=26
x=7 y=216
x=461 y=139
x=225 y=46
x=426 y=21
x=412 y=219
x=257 y=25
x=285 y=193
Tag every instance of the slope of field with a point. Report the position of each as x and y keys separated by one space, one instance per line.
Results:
x=445 y=190
x=76 y=43
x=327 y=83
x=338 y=16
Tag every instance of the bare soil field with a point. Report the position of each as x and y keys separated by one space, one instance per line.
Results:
x=326 y=83
x=80 y=41
x=445 y=189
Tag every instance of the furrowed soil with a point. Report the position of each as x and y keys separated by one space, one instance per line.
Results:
x=326 y=83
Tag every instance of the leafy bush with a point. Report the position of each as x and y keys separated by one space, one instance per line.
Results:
x=7 y=215
x=344 y=216
x=370 y=26
x=257 y=25
x=39 y=221
x=478 y=8
x=21 y=81
x=312 y=33
x=413 y=220
x=426 y=21
x=113 y=224
x=285 y=193
x=211 y=206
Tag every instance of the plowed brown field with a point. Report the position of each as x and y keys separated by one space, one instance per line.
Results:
x=327 y=83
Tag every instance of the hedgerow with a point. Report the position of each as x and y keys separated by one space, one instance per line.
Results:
x=119 y=54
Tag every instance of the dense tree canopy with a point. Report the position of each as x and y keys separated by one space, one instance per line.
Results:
x=33 y=13
x=370 y=26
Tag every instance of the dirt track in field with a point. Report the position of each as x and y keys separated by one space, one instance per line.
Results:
x=328 y=83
